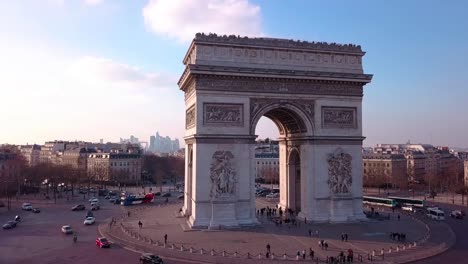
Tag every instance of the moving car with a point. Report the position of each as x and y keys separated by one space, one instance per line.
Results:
x=9 y=225
x=112 y=200
x=79 y=207
x=93 y=200
x=89 y=220
x=95 y=206
x=66 y=229
x=150 y=259
x=456 y=214
x=409 y=209
x=166 y=194
x=272 y=195
x=180 y=197
x=36 y=210
x=102 y=242
x=27 y=207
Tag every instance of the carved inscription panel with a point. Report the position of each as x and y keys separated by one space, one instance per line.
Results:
x=339 y=117
x=223 y=114
x=190 y=117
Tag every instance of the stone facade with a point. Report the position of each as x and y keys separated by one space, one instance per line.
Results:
x=311 y=91
x=465 y=163
x=380 y=169
x=119 y=167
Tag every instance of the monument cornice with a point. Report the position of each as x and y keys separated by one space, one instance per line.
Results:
x=276 y=74
x=324 y=140
x=272 y=43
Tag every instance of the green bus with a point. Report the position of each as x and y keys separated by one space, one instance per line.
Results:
x=402 y=201
x=379 y=201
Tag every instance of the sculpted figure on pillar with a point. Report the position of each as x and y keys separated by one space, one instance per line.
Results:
x=222 y=175
x=339 y=172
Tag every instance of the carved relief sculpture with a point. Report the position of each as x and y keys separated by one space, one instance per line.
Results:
x=224 y=114
x=339 y=172
x=339 y=117
x=222 y=175
x=190 y=117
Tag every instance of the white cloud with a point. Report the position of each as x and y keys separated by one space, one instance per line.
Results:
x=181 y=19
x=93 y=2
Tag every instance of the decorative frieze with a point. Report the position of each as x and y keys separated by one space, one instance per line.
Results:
x=339 y=172
x=223 y=114
x=339 y=117
x=190 y=117
x=266 y=85
x=223 y=175
x=257 y=106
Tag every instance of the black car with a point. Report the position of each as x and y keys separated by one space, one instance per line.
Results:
x=9 y=225
x=89 y=214
x=150 y=259
x=36 y=210
x=167 y=194
x=79 y=207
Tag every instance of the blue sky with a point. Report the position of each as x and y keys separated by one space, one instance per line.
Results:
x=91 y=69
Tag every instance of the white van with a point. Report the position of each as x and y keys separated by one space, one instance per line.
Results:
x=436 y=214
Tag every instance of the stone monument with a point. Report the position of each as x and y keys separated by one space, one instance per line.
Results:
x=312 y=91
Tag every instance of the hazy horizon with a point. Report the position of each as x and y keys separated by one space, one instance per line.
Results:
x=92 y=69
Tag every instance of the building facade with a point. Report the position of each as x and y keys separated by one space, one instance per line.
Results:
x=118 y=167
x=385 y=169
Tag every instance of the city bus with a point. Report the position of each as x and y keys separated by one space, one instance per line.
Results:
x=133 y=199
x=379 y=201
x=402 y=201
x=436 y=214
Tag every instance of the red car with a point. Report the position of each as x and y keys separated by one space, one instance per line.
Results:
x=102 y=242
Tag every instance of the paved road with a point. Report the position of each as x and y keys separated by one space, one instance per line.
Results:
x=458 y=253
x=38 y=239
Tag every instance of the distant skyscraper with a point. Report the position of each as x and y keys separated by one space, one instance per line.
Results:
x=163 y=145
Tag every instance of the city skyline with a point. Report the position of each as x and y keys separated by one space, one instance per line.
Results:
x=86 y=70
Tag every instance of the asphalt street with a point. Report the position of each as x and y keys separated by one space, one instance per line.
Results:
x=38 y=237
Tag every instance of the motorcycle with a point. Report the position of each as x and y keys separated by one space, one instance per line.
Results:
x=17 y=218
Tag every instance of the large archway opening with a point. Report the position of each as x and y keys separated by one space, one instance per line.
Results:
x=277 y=157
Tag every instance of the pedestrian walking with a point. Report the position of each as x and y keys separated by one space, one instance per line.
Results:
x=303 y=254
x=310 y=232
x=128 y=213
x=165 y=239
x=140 y=224
x=342 y=237
x=398 y=217
x=268 y=248
x=325 y=245
x=316 y=233
x=346 y=237
x=311 y=253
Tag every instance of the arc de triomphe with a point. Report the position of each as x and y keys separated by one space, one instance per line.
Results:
x=313 y=93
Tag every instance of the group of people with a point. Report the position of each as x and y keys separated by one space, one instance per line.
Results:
x=342 y=258
x=344 y=237
x=398 y=236
x=299 y=253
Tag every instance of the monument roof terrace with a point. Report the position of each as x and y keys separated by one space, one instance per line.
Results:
x=277 y=43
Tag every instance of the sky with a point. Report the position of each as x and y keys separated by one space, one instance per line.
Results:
x=105 y=69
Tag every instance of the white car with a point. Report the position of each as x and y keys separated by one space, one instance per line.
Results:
x=27 y=206
x=66 y=229
x=89 y=220
x=93 y=200
x=409 y=209
x=95 y=206
x=272 y=195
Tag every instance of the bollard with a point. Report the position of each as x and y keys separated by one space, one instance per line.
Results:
x=414 y=244
x=285 y=256
x=404 y=247
x=390 y=250
x=224 y=253
x=248 y=255
x=235 y=254
x=272 y=255
x=297 y=257
x=201 y=251
x=191 y=249
x=398 y=249
x=259 y=255
x=181 y=248
x=212 y=252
